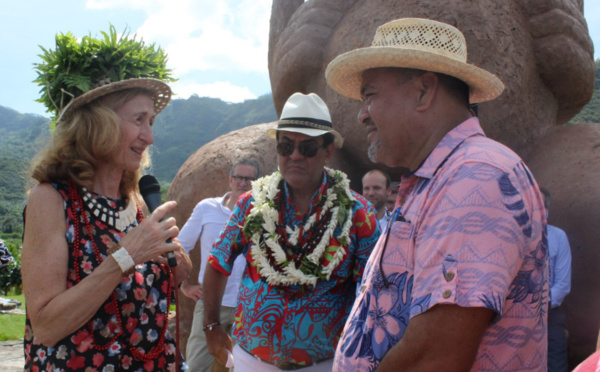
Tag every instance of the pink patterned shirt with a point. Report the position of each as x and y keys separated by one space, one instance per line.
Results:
x=471 y=232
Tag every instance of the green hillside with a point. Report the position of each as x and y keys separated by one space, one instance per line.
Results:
x=186 y=125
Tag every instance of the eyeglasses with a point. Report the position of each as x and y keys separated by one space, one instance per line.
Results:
x=308 y=149
x=241 y=179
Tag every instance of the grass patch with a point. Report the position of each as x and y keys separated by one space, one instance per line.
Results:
x=12 y=326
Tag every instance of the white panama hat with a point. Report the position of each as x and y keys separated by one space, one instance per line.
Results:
x=307 y=114
x=415 y=43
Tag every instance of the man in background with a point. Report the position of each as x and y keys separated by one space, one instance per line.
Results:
x=391 y=199
x=376 y=188
x=559 y=252
x=205 y=223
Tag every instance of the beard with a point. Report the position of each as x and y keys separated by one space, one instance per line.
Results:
x=373 y=149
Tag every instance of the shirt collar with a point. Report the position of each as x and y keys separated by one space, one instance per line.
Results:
x=320 y=191
x=224 y=198
x=447 y=145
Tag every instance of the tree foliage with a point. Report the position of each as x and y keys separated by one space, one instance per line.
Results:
x=10 y=275
x=10 y=278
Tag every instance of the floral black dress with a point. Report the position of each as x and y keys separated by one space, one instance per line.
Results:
x=129 y=331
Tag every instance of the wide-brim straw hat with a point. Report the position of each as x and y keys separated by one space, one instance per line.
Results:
x=307 y=114
x=161 y=93
x=414 y=43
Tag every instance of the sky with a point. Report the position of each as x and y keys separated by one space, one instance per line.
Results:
x=216 y=48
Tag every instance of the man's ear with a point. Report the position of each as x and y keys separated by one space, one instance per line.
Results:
x=329 y=150
x=427 y=85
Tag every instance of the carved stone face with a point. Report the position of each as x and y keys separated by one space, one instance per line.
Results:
x=544 y=59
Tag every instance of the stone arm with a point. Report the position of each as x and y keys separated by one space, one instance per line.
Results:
x=298 y=35
x=559 y=28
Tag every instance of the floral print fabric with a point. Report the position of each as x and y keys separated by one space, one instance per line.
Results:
x=142 y=306
x=294 y=324
x=469 y=229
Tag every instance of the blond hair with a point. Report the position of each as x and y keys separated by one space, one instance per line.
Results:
x=88 y=135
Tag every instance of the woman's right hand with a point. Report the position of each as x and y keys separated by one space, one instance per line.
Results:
x=148 y=240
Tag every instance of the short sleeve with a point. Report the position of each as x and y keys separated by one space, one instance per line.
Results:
x=231 y=241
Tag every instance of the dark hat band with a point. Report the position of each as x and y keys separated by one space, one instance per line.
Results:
x=304 y=123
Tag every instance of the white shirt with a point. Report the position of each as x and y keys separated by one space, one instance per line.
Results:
x=383 y=221
x=207 y=220
x=560 y=265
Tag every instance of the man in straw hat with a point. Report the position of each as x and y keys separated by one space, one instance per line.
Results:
x=306 y=237
x=459 y=281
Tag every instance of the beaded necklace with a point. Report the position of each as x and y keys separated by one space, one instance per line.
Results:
x=120 y=220
x=76 y=209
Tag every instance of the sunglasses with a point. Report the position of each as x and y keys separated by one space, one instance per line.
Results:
x=308 y=149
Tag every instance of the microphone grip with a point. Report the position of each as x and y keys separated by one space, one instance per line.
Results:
x=150 y=190
x=171 y=256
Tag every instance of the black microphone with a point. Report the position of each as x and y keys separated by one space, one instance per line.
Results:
x=150 y=190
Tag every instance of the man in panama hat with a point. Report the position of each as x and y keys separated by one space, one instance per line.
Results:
x=459 y=279
x=306 y=238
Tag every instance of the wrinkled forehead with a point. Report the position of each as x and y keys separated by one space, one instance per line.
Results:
x=296 y=137
x=245 y=170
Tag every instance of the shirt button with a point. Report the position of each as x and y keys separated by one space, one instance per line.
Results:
x=449 y=276
x=447 y=293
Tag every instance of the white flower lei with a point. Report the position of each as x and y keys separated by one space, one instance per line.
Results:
x=264 y=211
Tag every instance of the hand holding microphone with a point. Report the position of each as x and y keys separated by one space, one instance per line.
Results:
x=150 y=190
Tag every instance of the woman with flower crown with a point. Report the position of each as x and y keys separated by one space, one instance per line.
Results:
x=96 y=284
x=306 y=237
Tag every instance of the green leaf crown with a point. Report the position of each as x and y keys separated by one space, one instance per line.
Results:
x=74 y=68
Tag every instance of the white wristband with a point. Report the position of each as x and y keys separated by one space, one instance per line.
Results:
x=123 y=259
